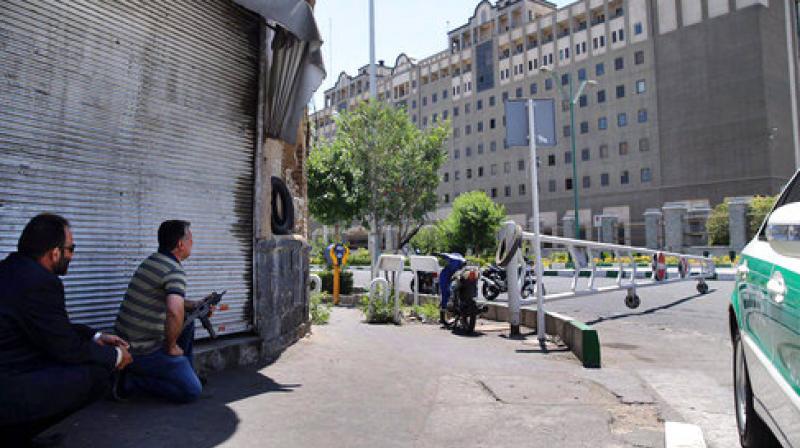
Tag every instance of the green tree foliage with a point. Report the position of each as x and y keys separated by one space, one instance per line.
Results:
x=759 y=207
x=429 y=239
x=334 y=186
x=717 y=226
x=473 y=224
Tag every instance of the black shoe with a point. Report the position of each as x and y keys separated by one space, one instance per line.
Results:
x=117 y=387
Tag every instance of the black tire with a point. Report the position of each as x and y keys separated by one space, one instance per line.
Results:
x=489 y=292
x=753 y=432
x=282 y=208
x=702 y=288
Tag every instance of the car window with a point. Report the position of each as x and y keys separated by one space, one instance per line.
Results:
x=789 y=195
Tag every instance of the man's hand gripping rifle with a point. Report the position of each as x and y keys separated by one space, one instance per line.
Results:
x=202 y=311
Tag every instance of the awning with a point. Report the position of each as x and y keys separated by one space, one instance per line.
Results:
x=294 y=63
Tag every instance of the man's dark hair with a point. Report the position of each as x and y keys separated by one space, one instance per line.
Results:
x=170 y=232
x=42 y=233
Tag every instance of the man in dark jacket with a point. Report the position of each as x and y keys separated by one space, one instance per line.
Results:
x=49 y=367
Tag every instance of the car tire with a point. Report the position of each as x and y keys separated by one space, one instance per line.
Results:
x=753 y=432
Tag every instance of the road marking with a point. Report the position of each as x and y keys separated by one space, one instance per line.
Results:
x=683 y=435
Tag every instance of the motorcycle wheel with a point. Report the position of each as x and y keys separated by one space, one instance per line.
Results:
x=466 y=324
x=489 y=292
x=529 y=290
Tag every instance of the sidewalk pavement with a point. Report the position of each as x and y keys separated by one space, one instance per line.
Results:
x=351 y=384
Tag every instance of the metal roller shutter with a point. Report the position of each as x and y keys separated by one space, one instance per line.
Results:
x=119 y=115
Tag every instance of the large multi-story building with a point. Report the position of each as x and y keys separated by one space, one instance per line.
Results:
x=695 y=100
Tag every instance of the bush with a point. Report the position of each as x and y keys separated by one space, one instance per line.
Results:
x=717 y=226
x=381 y=312
x=320 y=312
x=429 y=239
x=428 y=312
x=345 y=282
x=759 y=207
x=359 y=257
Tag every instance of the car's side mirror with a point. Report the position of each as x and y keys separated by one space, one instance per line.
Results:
x=783 y=230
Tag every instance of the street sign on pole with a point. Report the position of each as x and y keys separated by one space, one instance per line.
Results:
x=535 y=118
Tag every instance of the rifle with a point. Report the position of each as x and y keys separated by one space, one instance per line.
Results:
x=202 y=310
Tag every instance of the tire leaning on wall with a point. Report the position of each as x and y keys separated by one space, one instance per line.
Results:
x=282 y=208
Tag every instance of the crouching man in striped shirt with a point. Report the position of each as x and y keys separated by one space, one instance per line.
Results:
x=151 y=319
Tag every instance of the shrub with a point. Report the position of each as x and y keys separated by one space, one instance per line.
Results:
x=359 y=257
x=379 y=312
x=759 y=207
x=717 y=226
x=345 y=282
x=429 y=239
x=428 y=312
x=320 y=312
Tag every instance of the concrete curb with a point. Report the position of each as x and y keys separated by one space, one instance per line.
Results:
x=581 y=339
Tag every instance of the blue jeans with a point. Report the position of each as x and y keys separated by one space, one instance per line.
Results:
x=162 y=375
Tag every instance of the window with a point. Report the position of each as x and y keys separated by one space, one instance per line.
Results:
x=621 y=34
x=456 y=132
x=519 y=92
x=479 y=105
x=551 y=160
x=456 y=153
x=507 y=167
x=582 y=74
x=568 y=184
x=642 y=116
x=604 y=179
x=424 y=100
x=444 y=93
x=505 y=96
x=602 y=123
x=413 y=104
x=468 y=151
x=468 y=129
x=424 y=121
x=622 y=119
x=522 y=189
x=466 y=108
x=638 y=57
x=567 y=157
x=493 y=169
x=433 y=98
x=480 y=126
x=469 y=173
x=601 y=96
x=551 y=185
x=623 y=148
x=583 y=101
x=567 y=131
x=600 y=69
x=619 y=63
x=534 y=88
x=435 y=117
x=646 y=175
x=637 y=28
x=507 y=190
x=456 y=175
x=455 y=111
x=548 y=84
x=491 y=101
x=603 y=151
x=493 y=147
x=492 y=123
x=584 y=127
x=644 y=144
x=620 y=91
x=587 y=182
x=494 y=192
x=480 y=171
x=565 y=79
x=447 y=177
x=585 y=154
x=444 y=114
x=521 y=165
x=641 y=86
x=446 y=198
x=624 y=178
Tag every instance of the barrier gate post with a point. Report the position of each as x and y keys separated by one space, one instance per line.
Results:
x=514 y=291
x=537 y=243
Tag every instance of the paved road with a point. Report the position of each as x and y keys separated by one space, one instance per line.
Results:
x=676 y=344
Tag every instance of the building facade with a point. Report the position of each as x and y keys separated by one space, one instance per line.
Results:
x=693 y=101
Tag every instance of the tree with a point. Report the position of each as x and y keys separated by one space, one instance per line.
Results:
x=473 y=224
x=429 y=239
x=335 y=195
x=757 y=211
x=397 y=165
x=717 y=226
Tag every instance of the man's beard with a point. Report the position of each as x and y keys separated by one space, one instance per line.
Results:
x=61 y=266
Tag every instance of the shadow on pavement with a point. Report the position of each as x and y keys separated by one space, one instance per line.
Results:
x=648 y=311
x=152 y=423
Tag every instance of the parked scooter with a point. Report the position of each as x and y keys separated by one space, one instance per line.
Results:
x=495 y=282
x=458 y=284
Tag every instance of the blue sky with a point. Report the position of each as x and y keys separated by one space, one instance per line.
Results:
x=415 y=27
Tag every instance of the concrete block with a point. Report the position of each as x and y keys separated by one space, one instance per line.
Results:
x=737 y=222
x=674 y=215
x=652 y=227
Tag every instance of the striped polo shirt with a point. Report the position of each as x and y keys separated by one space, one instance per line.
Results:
x=143 y=314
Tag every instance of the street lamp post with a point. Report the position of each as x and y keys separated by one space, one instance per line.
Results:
x=572 y=100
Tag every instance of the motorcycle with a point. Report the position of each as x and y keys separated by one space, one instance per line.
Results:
x=427 y=282
x=495 y=282
x=458 y=284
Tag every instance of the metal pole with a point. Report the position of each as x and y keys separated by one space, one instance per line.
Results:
x=537 y=245
x=373 y=84
x=574 y=159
